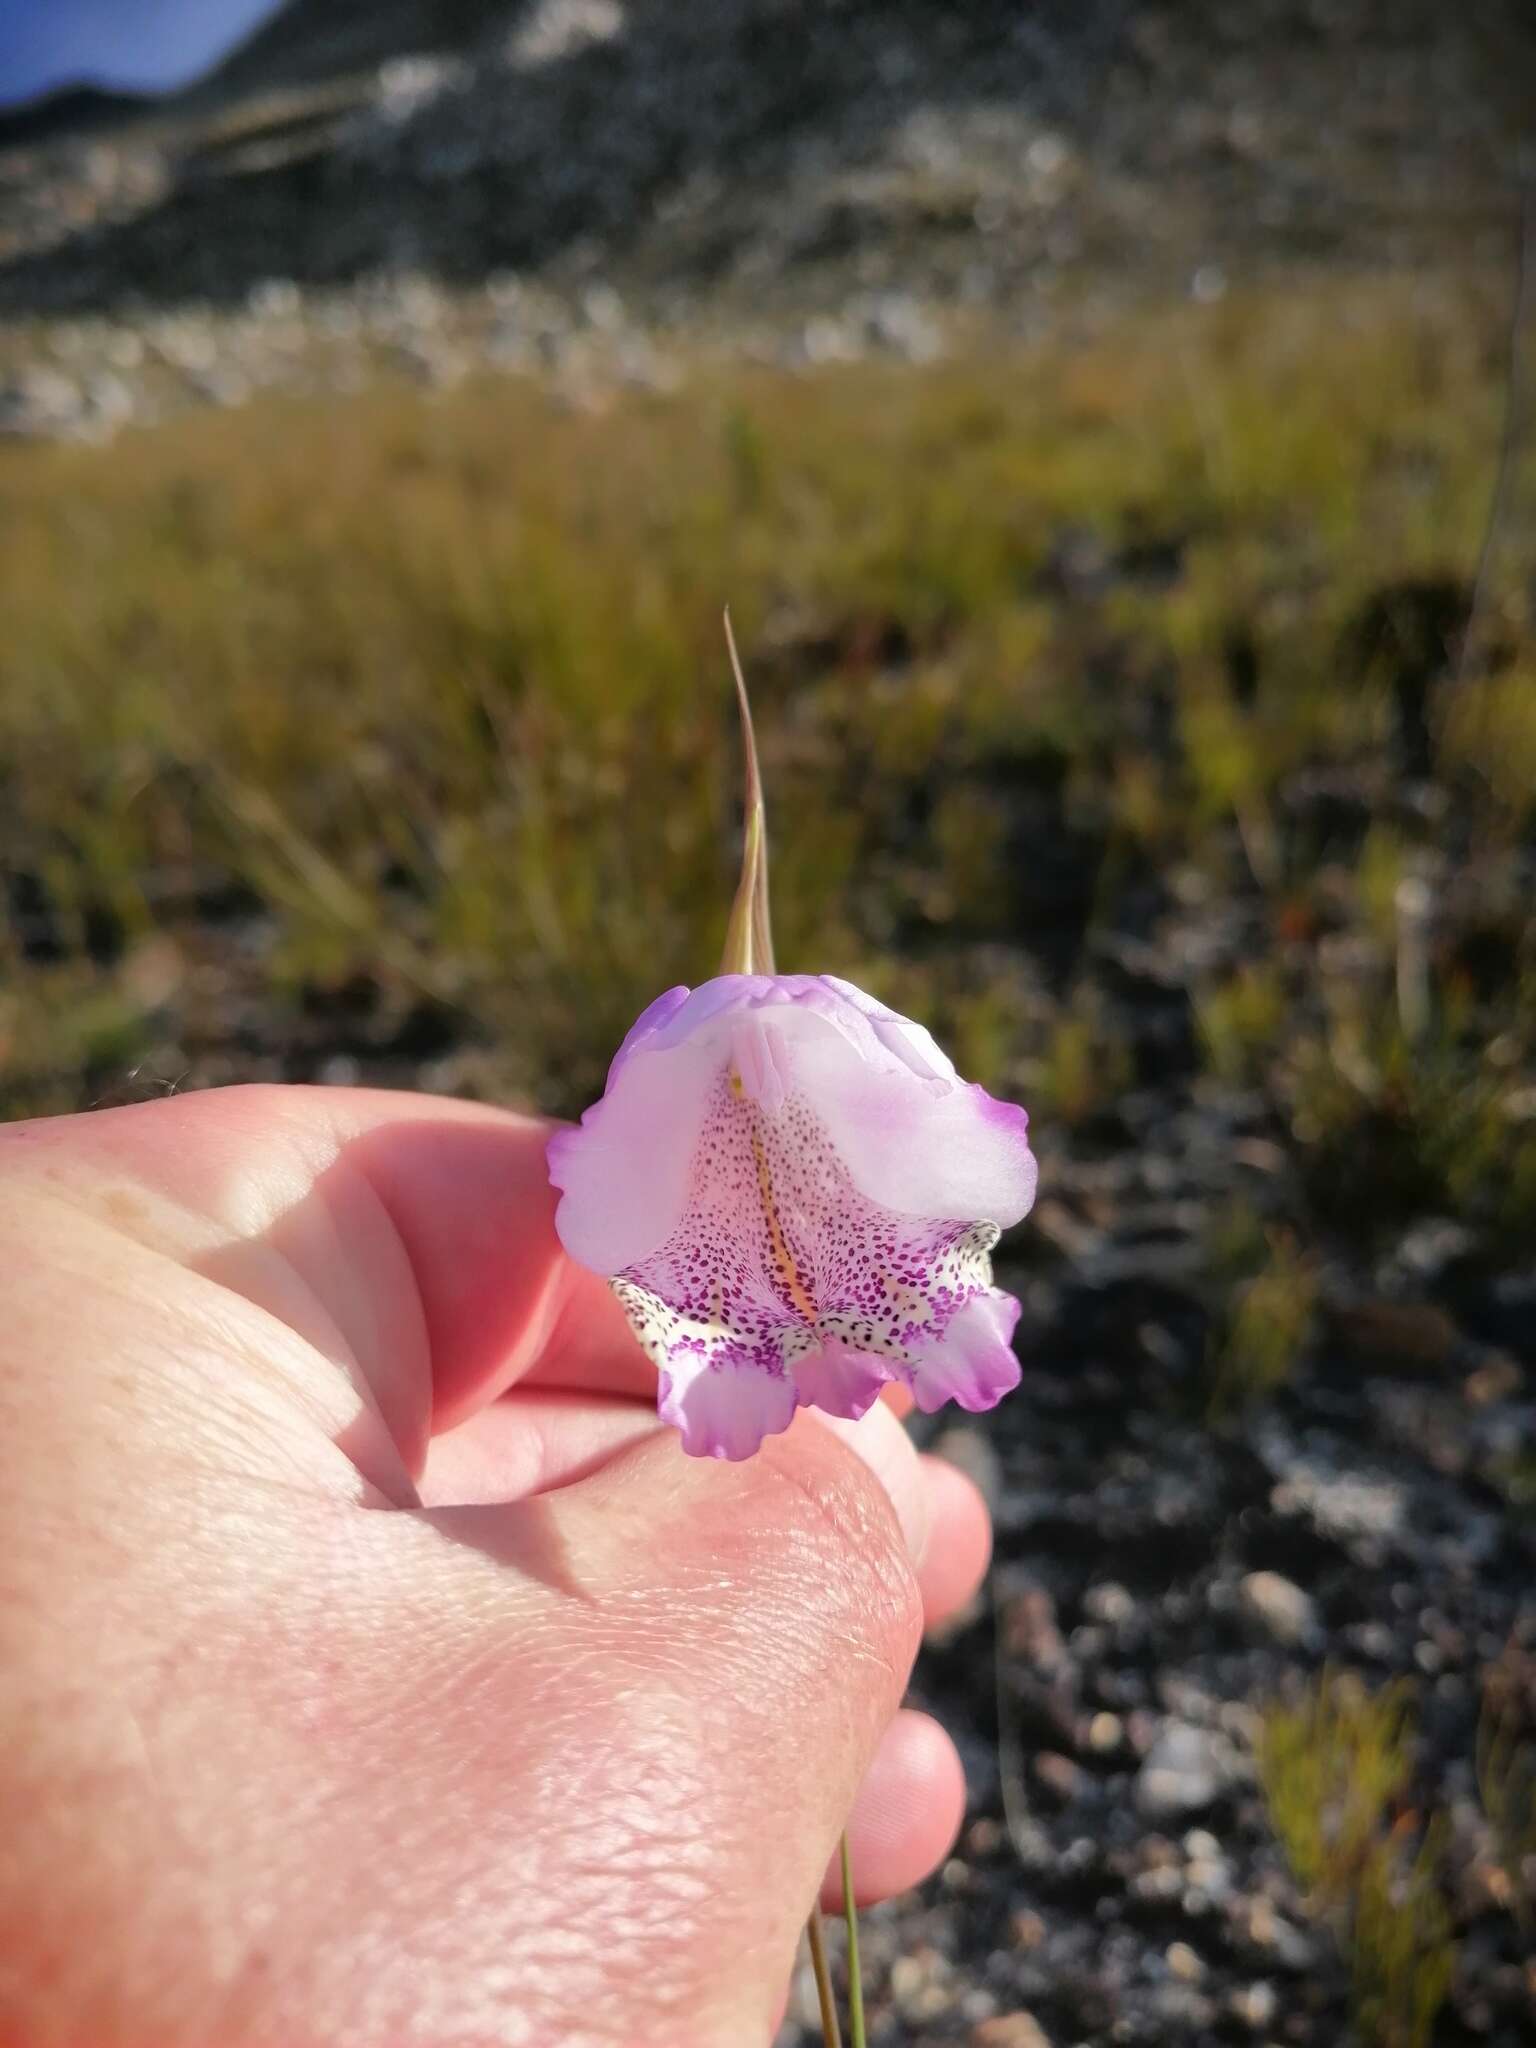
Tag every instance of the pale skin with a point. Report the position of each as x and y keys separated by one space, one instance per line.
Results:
x=373 y=1669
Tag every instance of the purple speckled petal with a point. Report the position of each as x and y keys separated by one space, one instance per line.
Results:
x=796 y=1197
x=725 y=1410
x=973 y=1364
x=779 y=1265
x=841 y=1381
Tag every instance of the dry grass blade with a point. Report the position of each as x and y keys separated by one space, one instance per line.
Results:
x=749 y=935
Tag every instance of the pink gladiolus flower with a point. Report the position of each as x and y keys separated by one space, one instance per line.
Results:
x=796 y=1196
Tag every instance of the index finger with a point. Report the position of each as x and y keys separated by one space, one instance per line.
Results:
x=316 y=1175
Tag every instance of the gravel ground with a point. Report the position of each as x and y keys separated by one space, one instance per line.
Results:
x=1118 y=1880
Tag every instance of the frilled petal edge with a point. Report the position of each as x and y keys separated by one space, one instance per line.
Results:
x=841 y=1381
x=973 y=1362
x=725 y=1410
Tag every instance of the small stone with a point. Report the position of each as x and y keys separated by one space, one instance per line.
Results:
x=275 y=298
x=1140 y=1730
x=1185 y=1772
x=1372 y=1640
x=1057 y=1776
x=1278 y=1606
x=1010 y=2030
x=1210 y=1876
x=40 y=402
x=1496 y=1380
x=1157 y=1887
x=603 y=308
x=1263 y=1924
x=1253 y=2005
x=1342 y=1505
x=1292 y=1946
x=1027 y=1928
x=907 y=1976
x=1184 y=1963
x=1108 y=1603
x=896 y=321
x=1105 y=1734
x=1182 y=2006
x=825 y=340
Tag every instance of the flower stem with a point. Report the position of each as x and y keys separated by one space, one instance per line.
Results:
x=855 y=1982
x=815 y=1935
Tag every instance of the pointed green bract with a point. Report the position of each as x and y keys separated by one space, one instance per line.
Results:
x=749 y=935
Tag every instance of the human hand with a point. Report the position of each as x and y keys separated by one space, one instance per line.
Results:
x=373 y=1669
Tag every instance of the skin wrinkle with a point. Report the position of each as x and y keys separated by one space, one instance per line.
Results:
x=647 y=1845
x=82 y=1258
x=656 y=1924
x=263 y=1251
x=274 y=1277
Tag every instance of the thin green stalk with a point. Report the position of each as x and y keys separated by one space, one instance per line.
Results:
x=855 y=1982
x=815 y=1934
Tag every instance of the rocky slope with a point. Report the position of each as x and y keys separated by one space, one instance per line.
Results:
x=817 y=177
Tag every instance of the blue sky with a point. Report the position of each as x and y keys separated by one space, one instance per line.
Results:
x=144 y=44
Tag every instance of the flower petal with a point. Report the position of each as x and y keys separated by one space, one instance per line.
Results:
x=796 y=1195
x=912 y=1044
x=648 y=1024
x=972 y=1362
x=839 y=1380
x=725 y=1409
x=923 y=1148
x=623 y=1171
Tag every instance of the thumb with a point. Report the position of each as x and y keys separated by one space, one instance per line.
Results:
x=718 y=1651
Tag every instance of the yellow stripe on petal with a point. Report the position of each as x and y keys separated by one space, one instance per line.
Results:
x=783 y=1258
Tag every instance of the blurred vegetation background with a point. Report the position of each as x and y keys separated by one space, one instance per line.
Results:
x=361 y=732
x=1135 y=581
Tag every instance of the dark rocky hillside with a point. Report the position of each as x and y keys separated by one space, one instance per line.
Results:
x=786 y=148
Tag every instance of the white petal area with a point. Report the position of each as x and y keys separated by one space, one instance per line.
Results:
x=973 y=1362
x=760 y=1060
x=920 y=1147
x=841 y=1381
x=623 y=1172
x=724 y=1410
x=914 y=1045
x=702 y=1008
